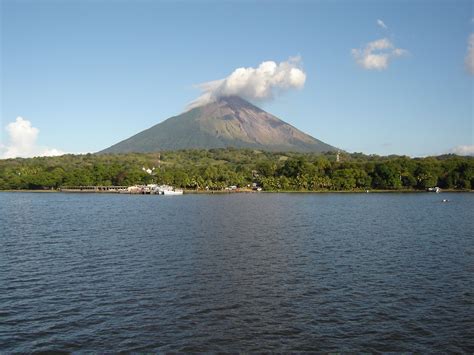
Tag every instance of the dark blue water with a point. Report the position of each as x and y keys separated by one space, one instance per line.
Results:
x=240 y=272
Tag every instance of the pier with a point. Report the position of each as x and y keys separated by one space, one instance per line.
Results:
x=150 y=189
x=111 y=189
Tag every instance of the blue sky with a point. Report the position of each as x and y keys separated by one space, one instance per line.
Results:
x=88 y=74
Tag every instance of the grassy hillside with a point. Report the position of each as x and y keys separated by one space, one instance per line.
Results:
x=230 y=122
x=174 y=133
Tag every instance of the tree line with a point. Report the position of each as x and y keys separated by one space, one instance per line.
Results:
x=216 y=169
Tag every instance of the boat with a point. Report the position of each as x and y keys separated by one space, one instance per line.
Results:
x=168 y=190
x=173 y=192
x=152 y=189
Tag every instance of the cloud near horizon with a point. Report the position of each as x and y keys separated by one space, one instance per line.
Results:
x=463 y=150
x=382 y=24
x=376 y=55
x=22 y=137
x=469 y=61
x=257 y=84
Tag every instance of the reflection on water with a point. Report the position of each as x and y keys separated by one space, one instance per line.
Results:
x=243 y=272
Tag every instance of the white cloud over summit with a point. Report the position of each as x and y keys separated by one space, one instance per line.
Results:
x=22 y=137
x=377 y=54
x=260 y=83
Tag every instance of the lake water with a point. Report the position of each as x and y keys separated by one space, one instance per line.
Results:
x=238 y=272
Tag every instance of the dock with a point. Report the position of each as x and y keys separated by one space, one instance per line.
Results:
x=109 y=189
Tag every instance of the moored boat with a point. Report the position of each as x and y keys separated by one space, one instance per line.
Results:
x=168 y=190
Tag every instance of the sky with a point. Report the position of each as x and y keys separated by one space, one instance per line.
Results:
x=378 y=77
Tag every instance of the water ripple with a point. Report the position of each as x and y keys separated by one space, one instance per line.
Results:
x=253 y=272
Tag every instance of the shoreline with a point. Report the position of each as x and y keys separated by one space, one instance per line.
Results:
x=219 y=192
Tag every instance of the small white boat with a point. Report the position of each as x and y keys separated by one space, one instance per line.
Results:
x=168 y=190
x=172 y=192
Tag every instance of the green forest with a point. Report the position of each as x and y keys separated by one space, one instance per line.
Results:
x=216 y=169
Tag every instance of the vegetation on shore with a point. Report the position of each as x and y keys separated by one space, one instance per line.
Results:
x=217 y=169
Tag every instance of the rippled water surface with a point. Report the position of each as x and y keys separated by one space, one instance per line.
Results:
x=241 y=272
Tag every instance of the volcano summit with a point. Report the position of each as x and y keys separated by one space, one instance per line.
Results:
x=228 y=122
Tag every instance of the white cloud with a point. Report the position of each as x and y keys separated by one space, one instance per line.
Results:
x=22 y=141
x=463 y=150
x=382 y=24
x=377 y=54
x=259 y=83
x=469 y=60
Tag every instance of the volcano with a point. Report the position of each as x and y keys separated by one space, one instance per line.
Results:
x=227 y=122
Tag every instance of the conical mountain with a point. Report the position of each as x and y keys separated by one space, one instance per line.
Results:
x=228 y=122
